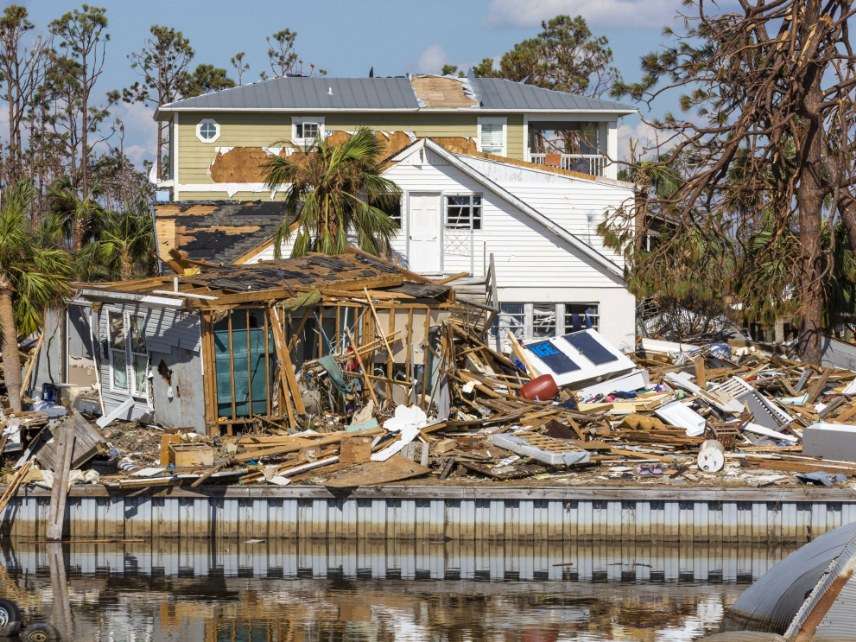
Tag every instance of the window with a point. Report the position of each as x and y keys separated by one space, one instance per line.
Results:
x=492 y=135
x=207 y=130
x=543 y=320
x=391 y=207
x=118 y=350
x=579 y=316
x=306 y=130
x=129 y=358
x=463 y=212
x=512 y=318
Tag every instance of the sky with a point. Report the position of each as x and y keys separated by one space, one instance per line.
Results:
x=349 y=37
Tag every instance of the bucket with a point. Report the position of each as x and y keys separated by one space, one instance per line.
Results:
x=541 y=388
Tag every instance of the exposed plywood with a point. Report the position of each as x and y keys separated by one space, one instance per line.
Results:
x=441 y=91
x=240 y=165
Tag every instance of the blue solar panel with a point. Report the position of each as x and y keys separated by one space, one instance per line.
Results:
x=590 y=348
x=559 y=362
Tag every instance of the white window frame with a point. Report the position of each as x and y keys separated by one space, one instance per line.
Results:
x=130 y=373
x=591 y=304
x=206 y=121
x=471 y=195
x=302 y=120
x=494 y=120
x=528 y=319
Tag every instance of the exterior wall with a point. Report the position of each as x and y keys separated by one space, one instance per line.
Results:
x=617 y=307
x=532 y=264
x=269 y=129
x=173 y=337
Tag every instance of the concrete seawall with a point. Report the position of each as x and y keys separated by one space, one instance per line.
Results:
x=442 y=513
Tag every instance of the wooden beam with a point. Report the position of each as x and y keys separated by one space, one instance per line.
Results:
x=59 y=491
x=285 y=360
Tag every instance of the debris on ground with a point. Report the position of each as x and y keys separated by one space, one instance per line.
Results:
x=564 y=410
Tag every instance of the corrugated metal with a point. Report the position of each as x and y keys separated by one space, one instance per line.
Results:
x=309 y=93
x=292 y=558
x=384 y=93
x=499 y=93
x=428 y=514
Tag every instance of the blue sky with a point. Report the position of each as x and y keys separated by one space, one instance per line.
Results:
x=347 y=38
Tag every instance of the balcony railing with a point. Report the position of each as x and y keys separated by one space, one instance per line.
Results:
x=586 y=163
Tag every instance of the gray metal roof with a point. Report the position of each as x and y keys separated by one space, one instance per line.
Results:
x=323 y=93
x=499 y=93
x=309 y=93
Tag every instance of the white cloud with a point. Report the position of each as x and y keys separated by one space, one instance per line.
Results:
x=140 y=131
x=431 y=60
x=602 y=13
x=646 y=141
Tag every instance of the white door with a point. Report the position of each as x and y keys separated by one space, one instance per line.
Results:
x=425 y=227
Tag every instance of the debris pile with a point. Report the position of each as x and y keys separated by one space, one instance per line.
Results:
x=713 y=414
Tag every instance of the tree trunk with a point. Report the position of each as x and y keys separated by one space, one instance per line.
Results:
x=11 y=358
x=810 y=195
x=126 y=267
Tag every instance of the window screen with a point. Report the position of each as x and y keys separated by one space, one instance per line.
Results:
x=543 y=320
x=512 y=318
x=492 y=137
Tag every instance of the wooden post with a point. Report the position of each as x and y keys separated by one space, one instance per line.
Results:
x=61 y=611
x=426 y=357
x=231 y=369
x=59 y=491
x=286 y=366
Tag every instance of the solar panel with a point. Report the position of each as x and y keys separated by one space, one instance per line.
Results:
x=590 y=348
x=557 y=360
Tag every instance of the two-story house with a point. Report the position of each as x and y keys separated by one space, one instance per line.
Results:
x=488 y=168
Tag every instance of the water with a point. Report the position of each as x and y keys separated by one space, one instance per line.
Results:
x=261 y=591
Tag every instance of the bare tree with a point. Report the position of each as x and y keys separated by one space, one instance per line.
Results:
x=240 y=66
x=22 y=69
x=163 y=63
x=81 y=50
x=767 y=139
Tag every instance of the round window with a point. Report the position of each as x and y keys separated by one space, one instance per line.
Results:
x=207 y=130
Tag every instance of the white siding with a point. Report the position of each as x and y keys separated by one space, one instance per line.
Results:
x=525 y=253
x=166 y=329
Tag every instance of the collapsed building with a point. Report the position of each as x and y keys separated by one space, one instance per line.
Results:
x=219 y=347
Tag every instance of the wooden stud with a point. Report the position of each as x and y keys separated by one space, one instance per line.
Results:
x=426 y=356
x=285 y=362
x=268 y=387
x=231 y=366
x=359 y=359
x=249 y=364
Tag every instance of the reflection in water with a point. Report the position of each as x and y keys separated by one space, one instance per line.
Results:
x=333 y=590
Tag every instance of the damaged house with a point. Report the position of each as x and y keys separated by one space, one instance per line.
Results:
x=220 y=347
x=503 y=186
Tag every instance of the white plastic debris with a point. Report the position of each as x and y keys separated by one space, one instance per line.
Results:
x=677 y=414
x=407 y=420
x=758 y=429
x=711 y=456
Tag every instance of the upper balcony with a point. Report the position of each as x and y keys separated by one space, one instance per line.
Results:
x=573 y=145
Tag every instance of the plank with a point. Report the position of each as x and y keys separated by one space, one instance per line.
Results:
x=59 y=491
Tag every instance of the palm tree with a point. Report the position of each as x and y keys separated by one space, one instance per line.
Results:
x=123 y=245
x=34 y=271
x=335 y=190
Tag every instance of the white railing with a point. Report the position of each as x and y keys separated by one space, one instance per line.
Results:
x=586 y=163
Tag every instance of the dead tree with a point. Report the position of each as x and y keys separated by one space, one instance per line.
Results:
x=765 y=144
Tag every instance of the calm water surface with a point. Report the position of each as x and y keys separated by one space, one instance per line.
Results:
x=293 y=591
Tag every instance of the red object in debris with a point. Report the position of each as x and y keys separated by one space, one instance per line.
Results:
x=541 y=388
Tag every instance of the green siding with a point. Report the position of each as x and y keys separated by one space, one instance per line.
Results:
x=514 y=136
x=269 y=129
